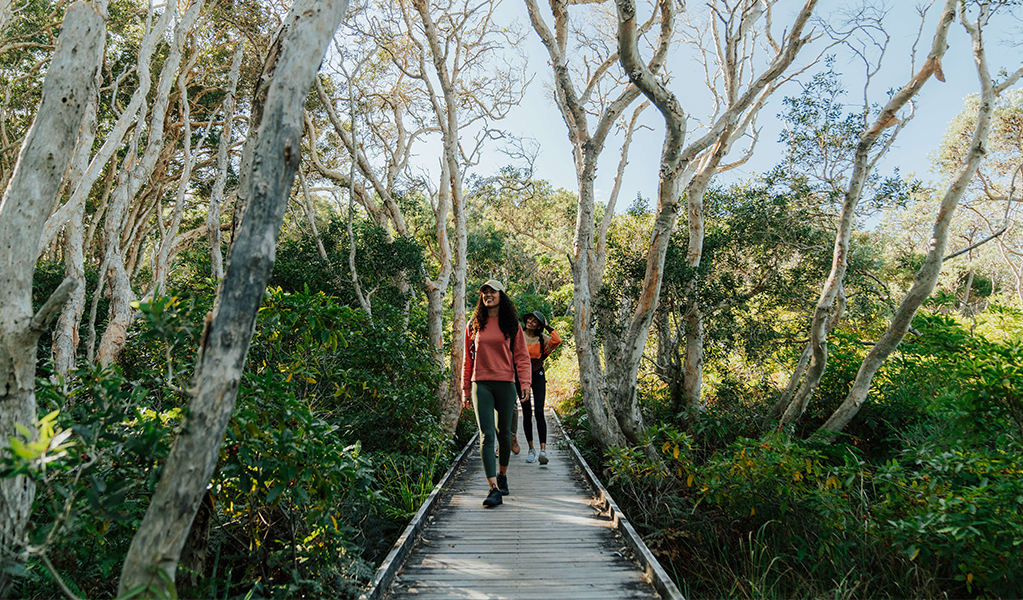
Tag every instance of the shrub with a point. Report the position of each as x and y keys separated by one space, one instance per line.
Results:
x=332 y=413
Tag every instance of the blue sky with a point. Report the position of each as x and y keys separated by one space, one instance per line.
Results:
x=937 y=104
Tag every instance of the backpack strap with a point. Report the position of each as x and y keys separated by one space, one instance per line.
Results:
x=472 y=339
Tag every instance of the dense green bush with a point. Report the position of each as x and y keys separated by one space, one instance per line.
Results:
x=333 y=444
x=922 y=496
x=95 y=464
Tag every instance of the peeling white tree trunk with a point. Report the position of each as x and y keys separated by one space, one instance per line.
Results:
x=436 y=292
x=804 y=361
x=927 y=277
x=863 y=164
x=447 y=118
x=383 y=189
x=112 y=140
x=217 y=195
x=699 y=162
x=5 y=15
x=26 y=203
x=623 y=371
x=587 y=259
x=135 y=172
x=275 y=156
x=65 y=335
x=168 y=248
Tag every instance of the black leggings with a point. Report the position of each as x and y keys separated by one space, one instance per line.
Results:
x=539 y=389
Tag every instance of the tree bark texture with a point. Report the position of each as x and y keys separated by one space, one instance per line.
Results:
x=861 y=171
x=112 y=141
x=436 y=291
x=587 y=250
x=448 y=120
x=26 y=203
x=927 y=277
x=5 y=15
x=301 y=44
x=65 y=335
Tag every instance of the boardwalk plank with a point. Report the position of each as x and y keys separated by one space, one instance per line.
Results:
x=547 y=541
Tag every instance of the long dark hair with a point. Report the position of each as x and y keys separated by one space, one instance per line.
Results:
x=507 y=317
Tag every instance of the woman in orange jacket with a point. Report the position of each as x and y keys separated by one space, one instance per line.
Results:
x=540 y=347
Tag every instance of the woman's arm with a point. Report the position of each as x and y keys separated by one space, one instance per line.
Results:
x=521 y=362
x=554 y=341
x=467 y=364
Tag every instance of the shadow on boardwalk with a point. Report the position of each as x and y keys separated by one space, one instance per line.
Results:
x=558 y=535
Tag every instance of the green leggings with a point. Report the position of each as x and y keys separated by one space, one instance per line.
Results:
x=490 y=399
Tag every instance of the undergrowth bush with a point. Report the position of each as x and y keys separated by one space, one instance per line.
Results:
x=922 y=496
x=334 y=443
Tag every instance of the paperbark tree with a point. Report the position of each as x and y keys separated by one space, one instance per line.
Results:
x=740 y=98
x=452 y=167
x=601 y=93
x=5 y=15
x=825 y=315
x=170 y=243
x=26 y=45
x=443 y=81
x=985 y=240
x=217 y=195
x=65 y=334
x=135 y=172
x=273 y=152
x=27 y=201
x=610 y=394
x=927 y=276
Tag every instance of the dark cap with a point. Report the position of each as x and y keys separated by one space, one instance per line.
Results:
x=538 y=316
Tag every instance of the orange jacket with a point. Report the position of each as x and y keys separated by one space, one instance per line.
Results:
x=535 y=351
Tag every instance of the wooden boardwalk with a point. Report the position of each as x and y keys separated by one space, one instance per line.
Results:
x=558 y=535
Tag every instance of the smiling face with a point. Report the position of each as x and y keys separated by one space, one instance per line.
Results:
x=491 y=297
x=532 y=323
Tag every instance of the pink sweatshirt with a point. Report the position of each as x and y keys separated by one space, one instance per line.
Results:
x=494 y=361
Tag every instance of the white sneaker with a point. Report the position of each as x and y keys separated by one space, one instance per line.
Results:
x=543 y=457
x=531 y=458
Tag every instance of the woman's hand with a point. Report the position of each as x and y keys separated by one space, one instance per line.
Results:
x=467 y=402
x=524 y=394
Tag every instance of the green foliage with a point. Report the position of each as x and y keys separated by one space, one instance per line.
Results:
x=821 y=143
x=325 y=388
x=376 y=382
x=286 y=524
x=333 y=445
x=521 y=229
x=379 y=262
x=93 y=488
x=958 y=514
x=921 y=497
x=47 y=276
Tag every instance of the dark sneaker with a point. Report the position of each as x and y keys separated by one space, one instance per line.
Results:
x=502 y=484
x=493 y=498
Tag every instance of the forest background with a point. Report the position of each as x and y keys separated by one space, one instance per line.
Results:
x=240 y=240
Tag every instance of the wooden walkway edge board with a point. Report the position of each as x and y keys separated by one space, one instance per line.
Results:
x=559 y=534
x=385 y=573
x=658 y=576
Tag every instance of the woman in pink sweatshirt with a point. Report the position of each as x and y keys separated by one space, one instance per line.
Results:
x=495 y=356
